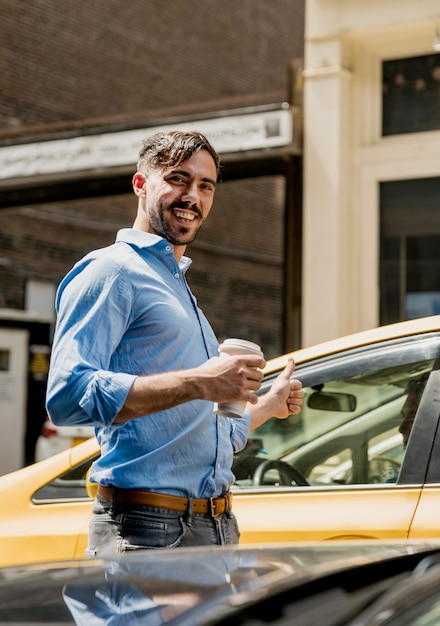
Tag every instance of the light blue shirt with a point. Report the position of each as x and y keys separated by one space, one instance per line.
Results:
x=125 y=311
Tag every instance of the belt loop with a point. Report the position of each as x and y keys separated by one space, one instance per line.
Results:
x=189 y=510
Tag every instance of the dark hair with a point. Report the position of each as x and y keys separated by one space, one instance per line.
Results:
x=168 y=149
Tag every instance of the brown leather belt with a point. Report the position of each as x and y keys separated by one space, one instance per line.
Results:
x=209 y=506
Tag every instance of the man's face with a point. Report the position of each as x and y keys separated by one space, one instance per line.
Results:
x=178 y=199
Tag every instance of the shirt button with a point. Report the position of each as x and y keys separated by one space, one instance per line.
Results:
x=177 y=275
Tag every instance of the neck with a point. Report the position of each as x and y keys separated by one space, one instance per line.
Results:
x=178 y=252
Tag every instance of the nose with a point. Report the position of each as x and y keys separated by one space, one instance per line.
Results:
x=191 y=194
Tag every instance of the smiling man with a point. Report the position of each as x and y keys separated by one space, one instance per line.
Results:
x=175 y=203
x=134 y=356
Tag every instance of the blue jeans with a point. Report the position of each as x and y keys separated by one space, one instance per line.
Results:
x=118 y=528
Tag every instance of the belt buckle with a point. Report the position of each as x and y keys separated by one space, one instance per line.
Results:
x=212 y=506
x=211 y=511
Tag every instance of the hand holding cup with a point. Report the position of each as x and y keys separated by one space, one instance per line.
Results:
x=234 y=347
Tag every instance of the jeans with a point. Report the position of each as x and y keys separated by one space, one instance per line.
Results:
x=118 y=528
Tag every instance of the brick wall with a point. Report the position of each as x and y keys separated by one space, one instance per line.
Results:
x=73 y=59
x=70 y=60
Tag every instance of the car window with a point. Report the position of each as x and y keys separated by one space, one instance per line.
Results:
x=67 y=487
x=358 y=412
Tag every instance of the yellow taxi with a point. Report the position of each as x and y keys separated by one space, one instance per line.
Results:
x=362 y=459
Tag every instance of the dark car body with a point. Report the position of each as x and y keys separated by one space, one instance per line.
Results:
x=330 y=583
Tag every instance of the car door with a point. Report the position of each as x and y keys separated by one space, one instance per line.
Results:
x=60 y=507
x=345 y=467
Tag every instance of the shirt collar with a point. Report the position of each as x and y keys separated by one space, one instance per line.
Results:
x=138 y=237
x=141 y=239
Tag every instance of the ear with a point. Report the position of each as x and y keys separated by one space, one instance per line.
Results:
x=139 y=186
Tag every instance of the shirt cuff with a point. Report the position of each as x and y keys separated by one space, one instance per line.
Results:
x=105 y=396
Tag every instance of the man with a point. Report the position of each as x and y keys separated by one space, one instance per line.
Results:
x=135 y=357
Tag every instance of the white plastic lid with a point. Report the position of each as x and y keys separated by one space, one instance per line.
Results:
x=241 y=343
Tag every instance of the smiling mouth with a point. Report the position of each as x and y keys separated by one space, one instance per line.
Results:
x=188 y=216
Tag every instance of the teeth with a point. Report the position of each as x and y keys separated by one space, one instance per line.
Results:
x=185 y=215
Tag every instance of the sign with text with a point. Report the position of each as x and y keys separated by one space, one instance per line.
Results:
x=228 y=134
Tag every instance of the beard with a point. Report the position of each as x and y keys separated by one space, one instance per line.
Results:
x=161 y=225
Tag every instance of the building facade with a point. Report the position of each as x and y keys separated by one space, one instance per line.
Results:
x=371 y=203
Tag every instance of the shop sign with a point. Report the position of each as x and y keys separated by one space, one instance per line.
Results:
x=227 y=133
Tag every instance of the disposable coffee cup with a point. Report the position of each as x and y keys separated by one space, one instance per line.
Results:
x=233 y=347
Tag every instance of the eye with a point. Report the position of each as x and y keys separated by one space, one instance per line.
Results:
x=177 y=179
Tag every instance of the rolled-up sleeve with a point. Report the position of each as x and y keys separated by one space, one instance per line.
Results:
x=93 y=305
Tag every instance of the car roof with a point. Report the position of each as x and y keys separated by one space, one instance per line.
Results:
x=356 y=340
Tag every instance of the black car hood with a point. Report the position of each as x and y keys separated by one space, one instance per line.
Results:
x=197 y=586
